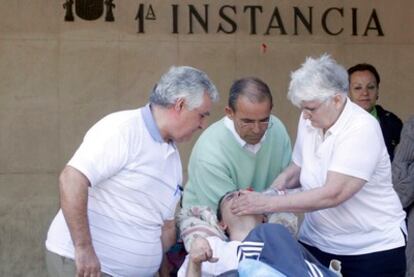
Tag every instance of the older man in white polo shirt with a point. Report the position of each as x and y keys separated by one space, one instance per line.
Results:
x=119 y=191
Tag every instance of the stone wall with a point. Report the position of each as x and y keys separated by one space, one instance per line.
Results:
x=59 y=77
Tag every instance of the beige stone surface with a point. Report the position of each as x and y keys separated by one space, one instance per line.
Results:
x=28 y=203
x=58 y=78
x=28 y=106
x=140 y=64
x=29 y=75
x=29 y=19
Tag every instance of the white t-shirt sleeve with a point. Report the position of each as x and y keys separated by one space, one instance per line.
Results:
x=101 y=155
x=357 y=150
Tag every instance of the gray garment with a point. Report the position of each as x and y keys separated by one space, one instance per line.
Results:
x=58 y=266
x=403 y=180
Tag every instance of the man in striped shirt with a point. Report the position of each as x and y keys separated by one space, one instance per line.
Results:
x=119 y=191
x=249 y=238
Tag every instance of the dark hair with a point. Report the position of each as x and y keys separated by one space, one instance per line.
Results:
x=253 y=88
x=364 y=67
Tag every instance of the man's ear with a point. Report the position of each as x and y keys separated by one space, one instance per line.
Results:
x=179 y=104
x=337 y=98
x=229 y=112
x=223 y=226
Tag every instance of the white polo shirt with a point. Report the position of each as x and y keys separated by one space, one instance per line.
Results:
x=372 y=219
x=135 y=186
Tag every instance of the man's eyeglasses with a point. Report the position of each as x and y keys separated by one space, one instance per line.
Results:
x=250 y=124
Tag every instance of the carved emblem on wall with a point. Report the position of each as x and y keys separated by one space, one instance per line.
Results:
x=89 y=9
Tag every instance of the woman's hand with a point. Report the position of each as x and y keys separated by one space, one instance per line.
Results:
x=249 y=202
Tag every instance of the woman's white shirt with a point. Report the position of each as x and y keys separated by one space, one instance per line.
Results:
x=372 y=219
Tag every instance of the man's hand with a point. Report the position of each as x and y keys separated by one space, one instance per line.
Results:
x=74 y=201
x=87 y=263
x=200 y=252
x=280 y=183
x=288 y=179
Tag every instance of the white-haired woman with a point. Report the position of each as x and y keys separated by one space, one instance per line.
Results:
x=340 y=161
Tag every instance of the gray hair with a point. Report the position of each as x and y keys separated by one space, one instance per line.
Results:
x=317 y=79
x=183 y=82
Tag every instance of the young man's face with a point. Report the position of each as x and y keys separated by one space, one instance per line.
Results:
x=225 y=206
x=251 y=120
x=227 y=216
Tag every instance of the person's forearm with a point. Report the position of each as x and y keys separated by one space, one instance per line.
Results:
x=74 y=198
x=193 y=269
x=289 y=178
x=168 y=239
x=292 y=182
x=300 y=202
x=200 y=252
x=164 y=270
x=168 y=235
x=74 y=201
x=339 y=188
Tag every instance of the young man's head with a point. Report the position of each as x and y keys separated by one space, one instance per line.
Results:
x=249 y=106
x=232 y=223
